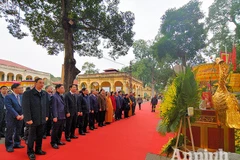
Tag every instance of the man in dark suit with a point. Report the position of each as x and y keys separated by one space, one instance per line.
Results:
x=48 y=126
x=118 y=107
x=121 y=99
x=154 y=102
x=94 y=108
x=70 y=99
x=83 y=111
x=58 y=112
x=36 y=110
x=133 y=99
x=3 y=94
x=14 y=118
x=102 y=107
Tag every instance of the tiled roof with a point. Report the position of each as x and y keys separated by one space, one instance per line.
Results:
x=111 y=70
x=13 y=64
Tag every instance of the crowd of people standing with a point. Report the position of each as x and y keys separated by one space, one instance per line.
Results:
x=51 y=112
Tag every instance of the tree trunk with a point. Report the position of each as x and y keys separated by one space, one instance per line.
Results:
x=184 y=63
x=153 y=82
x=70 y=70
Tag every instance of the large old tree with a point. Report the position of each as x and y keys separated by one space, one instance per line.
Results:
x=71 y=26
x=89 y=68
x=182 y=34
x=223 y=23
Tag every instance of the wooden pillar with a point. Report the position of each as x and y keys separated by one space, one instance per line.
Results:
x=112 y=86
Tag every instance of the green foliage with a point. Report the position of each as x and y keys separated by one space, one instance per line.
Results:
x=90 y=21
x=89 y=68
x=182 y=33
x=181 y=94
x=224 y=14
x=147 y=68
x=237 y=140
x=55 y=79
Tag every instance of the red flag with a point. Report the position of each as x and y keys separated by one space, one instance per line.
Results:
x=234 y=57
x=224 y=56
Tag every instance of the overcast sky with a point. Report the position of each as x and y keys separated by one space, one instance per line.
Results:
x=147 y=23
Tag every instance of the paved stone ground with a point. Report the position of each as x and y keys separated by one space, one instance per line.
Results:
x=151 y=156
x=2 y=140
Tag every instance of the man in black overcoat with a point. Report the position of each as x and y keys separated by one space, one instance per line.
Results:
x=35 y=104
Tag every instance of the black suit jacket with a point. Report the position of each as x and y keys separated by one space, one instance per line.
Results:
x=35 y=106
x=70 y=103
x=1 y=103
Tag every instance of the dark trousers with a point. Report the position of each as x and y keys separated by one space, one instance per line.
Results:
x=48 y=126
x=22 y=130
x=71 y=123
x=96 y=117
x=126 y=113
x=91 y=119
x=133 y=109
x=26 y=131
x=118 y=113
x=83 y=122
x=57 y=130
x=35 y=134
x=2 y=122
x=101 y=117
x=14 y=127
x=153 y=108
x=139 y=105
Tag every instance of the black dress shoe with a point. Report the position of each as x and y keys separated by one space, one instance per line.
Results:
x=31 y=156
x=10 y=150
x=55 y=146
x=40 y=152
x=18 y=146
x=103 y=124
x=73 y=137
x=91 y=128
x=61 y=143
x=68 y=139
x=82 y=133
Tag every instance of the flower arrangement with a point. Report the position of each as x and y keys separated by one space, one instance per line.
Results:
x=181 y=94
x=237 y=140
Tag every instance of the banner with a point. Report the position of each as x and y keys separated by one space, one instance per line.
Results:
x=234 y=58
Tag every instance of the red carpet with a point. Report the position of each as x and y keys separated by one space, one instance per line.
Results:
x=127 y=139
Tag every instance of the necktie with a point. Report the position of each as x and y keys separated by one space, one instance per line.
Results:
x=19 y=101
